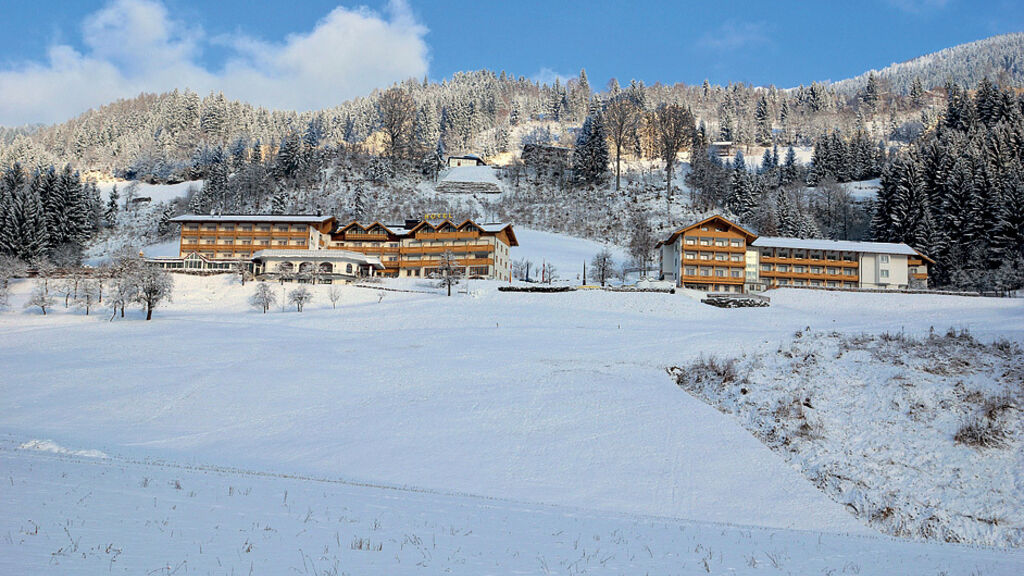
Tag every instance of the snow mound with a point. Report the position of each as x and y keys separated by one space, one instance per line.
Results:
x=920 y=437
x=54 y=448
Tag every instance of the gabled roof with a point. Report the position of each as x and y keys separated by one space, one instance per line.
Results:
x=750 y=236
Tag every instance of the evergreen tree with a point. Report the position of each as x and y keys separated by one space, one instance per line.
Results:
x=590 y=157
x=763 y=122
x=741 y=200
x=110 y=216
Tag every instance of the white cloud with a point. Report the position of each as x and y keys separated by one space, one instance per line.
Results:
x=133 y=46
x=548 y=76
x=733 y=35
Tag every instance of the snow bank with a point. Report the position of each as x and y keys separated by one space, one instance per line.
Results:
x=875 y=421
x=53 y=447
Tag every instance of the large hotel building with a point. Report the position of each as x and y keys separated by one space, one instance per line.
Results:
x=301 y=246
x=720 y=256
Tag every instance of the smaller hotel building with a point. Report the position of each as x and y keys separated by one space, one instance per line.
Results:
x=717 y=255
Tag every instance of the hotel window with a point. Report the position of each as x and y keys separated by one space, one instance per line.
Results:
x=849 y=272
x=705 y=256
x=691 y=271
x=815 y=282
x=720 y=273
x=721 y=242
x=192 y=227
x=815 y=269
x=833 y=271
x=883 y=258
x=720 y=257
x=691 y=255
x=705 y=271
x=766 y=267
x=736 y=243
x=783 y=268
x=799 y=269
x=883 y=273
x=704 y=228
x=798 y=255
x=690 y=241
x=705 y=241
x=833 y=283
x=245 y=227
x=737 y=258
x=210 y=227
x=282 y=228
x=737 y=274
x=298 y=228
x=799 y=283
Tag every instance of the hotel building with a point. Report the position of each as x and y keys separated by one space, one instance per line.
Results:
x=303 y=247
x=411 y=250
x=716 y=255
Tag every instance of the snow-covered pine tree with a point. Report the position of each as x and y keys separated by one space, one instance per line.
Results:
x=590 y=156
x=763 y=122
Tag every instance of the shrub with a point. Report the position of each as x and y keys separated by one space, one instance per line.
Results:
x=982 y=433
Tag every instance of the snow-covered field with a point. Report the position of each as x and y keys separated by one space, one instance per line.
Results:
x=155 y=192
x=543 y=428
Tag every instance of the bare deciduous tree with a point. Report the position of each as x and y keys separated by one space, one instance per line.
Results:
x=88 y=295
x=334 y=294
x=603 y=265
x=154 y=287
x=621 y=119
x=448 y=270
x=300 y=297
x=397 y=111
x=674 y=129
x=263 y=297
x=39 y=298
x=641 y=240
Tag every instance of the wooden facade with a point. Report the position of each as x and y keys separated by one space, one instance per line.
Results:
x=716 y=255
x=412 y=250
x=233 y=237
x=709 y=255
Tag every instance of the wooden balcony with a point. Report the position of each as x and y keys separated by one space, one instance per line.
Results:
x=711 y=263
x=713 y=249
x=711 y=279
x=446 y=235
x=369 y=249
x=809 y=262
x=776 y=275
x=919 y=276
x=364 y=237
x=435 y=263
x=442 y=249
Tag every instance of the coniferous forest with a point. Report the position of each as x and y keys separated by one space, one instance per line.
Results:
x=573 y=158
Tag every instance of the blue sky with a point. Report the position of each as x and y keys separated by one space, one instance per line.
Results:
x=59 y=58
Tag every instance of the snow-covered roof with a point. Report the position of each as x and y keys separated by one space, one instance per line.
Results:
x=833 y=245
x=321 y=255
x=303 y=218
